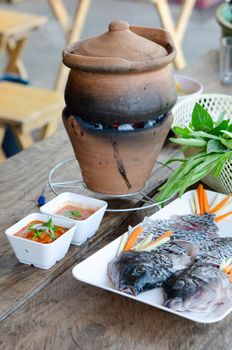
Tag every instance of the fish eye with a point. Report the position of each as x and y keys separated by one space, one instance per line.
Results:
x=179 y=284
x=139 y=270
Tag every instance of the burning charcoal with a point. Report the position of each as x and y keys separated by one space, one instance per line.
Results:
x=125 y=127
x=150 y=124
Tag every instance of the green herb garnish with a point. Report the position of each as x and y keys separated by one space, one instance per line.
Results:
x=40 y=229
x=72 y=213
x=211 y=146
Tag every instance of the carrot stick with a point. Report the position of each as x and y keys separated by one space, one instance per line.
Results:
x=221 y=217
x=206 y=202
x=165 y=235
x=228 y=269
x=220 y=205
x=227 y=207
x=200 y=199
x=133 y=237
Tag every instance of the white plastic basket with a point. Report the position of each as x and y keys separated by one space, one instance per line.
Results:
x=215 y=104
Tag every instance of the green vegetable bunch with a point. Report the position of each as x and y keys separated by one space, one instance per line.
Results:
x=211 y=146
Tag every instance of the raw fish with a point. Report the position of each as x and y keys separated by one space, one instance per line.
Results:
x=202 y=286
x=137 y=271
x=198 y=288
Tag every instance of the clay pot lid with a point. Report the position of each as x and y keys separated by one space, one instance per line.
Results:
x=121 y=48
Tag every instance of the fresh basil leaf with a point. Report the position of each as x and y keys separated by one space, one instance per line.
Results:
x=215 y=146
x=201 y=119
x=204 y=134
x=189 y=142
x=229 y=128
x=185 y=132
x=223 y=126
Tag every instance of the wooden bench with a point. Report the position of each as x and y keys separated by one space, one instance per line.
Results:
x=15 y=29
x=26 y=109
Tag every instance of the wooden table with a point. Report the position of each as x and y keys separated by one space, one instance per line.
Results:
x=48 y=309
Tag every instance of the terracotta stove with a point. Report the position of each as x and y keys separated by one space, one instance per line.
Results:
x=118 y=97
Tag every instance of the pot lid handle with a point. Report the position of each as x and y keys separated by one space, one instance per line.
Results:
x=118 y=25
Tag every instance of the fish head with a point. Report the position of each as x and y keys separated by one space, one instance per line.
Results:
x=199 y=288
x=133 y=272
x=180 y=290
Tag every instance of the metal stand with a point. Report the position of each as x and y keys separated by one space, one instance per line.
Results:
x=141 y=196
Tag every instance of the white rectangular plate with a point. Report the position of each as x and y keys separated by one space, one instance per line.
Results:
x=94 y=269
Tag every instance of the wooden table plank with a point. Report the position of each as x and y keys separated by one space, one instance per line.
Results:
x=73 y=315
x=59 y=312
x=19 y=282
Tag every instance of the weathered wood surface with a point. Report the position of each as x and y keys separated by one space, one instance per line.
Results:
x=72 y=315
x=22 y=179
x=61 y=313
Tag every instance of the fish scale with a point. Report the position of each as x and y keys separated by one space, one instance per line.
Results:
x=181 y=232
x=136 y=271
x=216 y=251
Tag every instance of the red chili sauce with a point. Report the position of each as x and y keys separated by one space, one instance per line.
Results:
x=76 y=212
x=42 y=232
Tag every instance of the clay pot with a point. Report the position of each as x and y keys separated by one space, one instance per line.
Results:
x=122 y=76
x=114 y=162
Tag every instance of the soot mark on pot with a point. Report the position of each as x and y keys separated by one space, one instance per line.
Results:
x=120 y=164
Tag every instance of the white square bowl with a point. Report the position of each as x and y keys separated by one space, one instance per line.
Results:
x=38 y=254
x=84 y=228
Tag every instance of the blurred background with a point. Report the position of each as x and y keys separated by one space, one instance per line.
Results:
x=43 y=50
